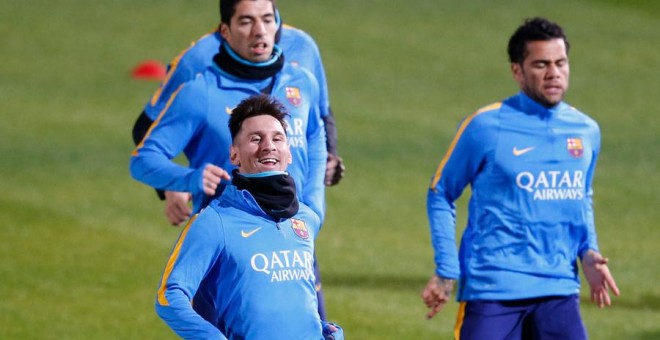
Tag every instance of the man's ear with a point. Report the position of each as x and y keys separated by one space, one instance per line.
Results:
x=233 y=156
x=224 y=30
x=516 y=71
x=289 y=158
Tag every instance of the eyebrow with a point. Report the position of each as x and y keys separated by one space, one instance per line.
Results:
x=262 y=132
x=251 y=17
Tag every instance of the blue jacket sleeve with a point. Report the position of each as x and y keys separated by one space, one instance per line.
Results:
x=457 y=169
x=319 y=74
x=591 y=241
x=324 y=99
x=314 y=191
x=151 y=161
x=199 y=246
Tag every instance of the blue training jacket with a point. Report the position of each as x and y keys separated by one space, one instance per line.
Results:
x=530 y=169
x=252 y=276
x=194 y=121
x=299 y=49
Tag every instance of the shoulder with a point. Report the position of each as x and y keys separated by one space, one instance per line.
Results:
x=203 y=49
x=308 y=215
x=483 y=118
x=298 y=71
x=293 y=73
x=570 y=112
x=207 y=225
x=195 y=88
x=294 y=34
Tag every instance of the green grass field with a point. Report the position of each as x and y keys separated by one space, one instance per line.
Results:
x=82 y=245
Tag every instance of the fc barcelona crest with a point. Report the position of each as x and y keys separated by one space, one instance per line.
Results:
x=299 y=228
x=574 y=146
x=293 y=95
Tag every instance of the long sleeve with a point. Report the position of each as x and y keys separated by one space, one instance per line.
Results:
x=196 y=251
x=314 y=190
x=457 y=170
x=151 y=162
x=324 y=100
x=591 y=242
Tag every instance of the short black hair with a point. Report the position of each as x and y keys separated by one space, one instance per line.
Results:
x=534 y=29
x=228 y=8
x=256 y=106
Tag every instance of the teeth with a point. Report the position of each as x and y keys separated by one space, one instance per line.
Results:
x=268 y=160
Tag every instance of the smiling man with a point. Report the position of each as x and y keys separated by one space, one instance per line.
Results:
x=530 y=162
x=248 y=257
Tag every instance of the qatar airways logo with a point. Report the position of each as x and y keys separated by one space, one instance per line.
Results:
x=552 y=185
x=284 y=265
x=295 y=133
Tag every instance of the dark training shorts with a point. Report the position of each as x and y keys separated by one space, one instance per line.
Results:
x=553 y=317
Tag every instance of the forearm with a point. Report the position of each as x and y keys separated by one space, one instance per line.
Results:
x=140 y=128
x=442 y=223
x=161 y=173
x=183 y=320
x=330 y=132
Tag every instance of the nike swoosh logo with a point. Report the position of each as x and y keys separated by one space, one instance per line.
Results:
x=518 y=152
x=247 y=234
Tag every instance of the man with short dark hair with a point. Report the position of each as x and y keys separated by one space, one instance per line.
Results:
x=530 y=162
x=248 y=257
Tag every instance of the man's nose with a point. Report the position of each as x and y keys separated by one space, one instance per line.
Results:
x=259 y=28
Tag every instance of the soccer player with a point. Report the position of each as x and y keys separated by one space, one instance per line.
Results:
x=298 y=47
x=248 y=257
x=530 y=162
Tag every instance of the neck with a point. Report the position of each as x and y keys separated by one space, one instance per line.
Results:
x=229 y=61
x=274 y=191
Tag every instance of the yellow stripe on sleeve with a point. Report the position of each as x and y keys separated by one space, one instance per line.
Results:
x=173 y=65
x=153 y=125
x=162 y=300
x=461 y=128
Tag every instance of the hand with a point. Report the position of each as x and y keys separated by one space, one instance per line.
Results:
x=334 y=170
x=211 y=177
x=595 y=269
x=332 y=331
x=177 y=209
x=437 y=293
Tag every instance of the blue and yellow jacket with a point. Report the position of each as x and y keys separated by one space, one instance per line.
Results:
x=251 y=276
x=530 y=170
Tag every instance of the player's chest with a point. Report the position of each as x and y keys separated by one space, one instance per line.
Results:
x=288 y=241
x=554 y=149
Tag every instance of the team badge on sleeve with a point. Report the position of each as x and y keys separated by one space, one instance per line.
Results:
x=299 y=228
x=574 y=146
x=293 y=95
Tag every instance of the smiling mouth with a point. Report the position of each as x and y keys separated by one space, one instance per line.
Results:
x=268 y=161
